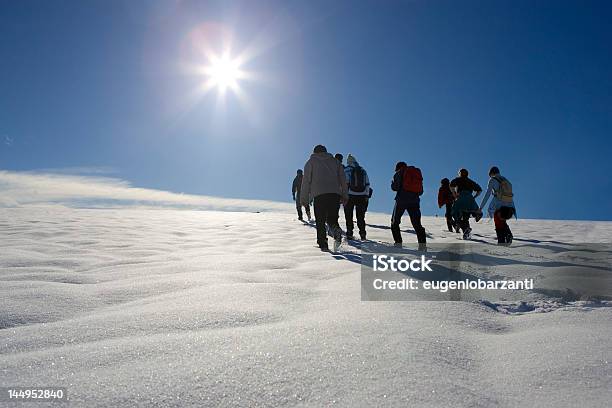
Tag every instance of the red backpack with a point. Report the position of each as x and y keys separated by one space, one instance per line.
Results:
x=412 y=180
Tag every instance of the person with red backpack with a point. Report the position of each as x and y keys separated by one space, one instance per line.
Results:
x=408 y=185
x=358 y=196
x=446 y=198
x=502 y=207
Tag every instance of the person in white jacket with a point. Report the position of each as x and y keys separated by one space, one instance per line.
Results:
x=502 y=206
x=358 y=196
x=324 y=181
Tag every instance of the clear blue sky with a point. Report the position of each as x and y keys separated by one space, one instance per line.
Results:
x=525 y=85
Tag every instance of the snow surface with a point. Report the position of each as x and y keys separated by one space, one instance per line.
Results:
x=141 y=307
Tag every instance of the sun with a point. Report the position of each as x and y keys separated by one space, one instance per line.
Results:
x=223 y=72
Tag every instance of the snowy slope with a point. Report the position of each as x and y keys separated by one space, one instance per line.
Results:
x=208 y=308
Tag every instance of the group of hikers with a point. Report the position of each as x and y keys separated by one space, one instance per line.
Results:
x=459 y=198
x=328 y=184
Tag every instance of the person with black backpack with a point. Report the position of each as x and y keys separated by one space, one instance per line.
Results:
x=502 y=207
x=408 y=185
x=358 y=196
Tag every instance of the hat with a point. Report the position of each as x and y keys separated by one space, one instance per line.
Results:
x=350 y=160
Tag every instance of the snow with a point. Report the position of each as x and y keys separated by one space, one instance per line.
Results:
x=166 y=307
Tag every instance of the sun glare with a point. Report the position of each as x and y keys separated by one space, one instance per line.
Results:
x=218 y=67
x=223 y=73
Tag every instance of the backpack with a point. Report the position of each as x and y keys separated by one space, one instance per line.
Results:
x=412 y=180
x=357 y=181
x=505 y=189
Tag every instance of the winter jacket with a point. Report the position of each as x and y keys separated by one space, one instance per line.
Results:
x=404 y=198
x=348 y=173
x=445 y=196
x=323 y=174
x=465 y=184
x=493 y=187
x=465 y=202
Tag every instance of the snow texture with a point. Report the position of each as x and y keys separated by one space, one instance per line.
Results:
x=135 y=307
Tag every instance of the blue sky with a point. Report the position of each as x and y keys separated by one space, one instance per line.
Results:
x=523 y=85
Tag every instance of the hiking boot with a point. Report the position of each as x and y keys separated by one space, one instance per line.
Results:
x=349 y=235
x=467 y=234
x=509 y=238
x=362 y=235
x=300 y=219
x=323 y=246
x=397 y=244
x=501 y=236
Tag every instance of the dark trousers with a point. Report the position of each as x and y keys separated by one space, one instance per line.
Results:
x=326 y=212
x=464 y=221
x=360 y=204
x=414 y=213
x=298 y=206
x=450 y=223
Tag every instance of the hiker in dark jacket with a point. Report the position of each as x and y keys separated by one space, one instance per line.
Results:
x=446 y=198
x=296 y=189
x=465 y=190
x=358 y=196
x=405 y=201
